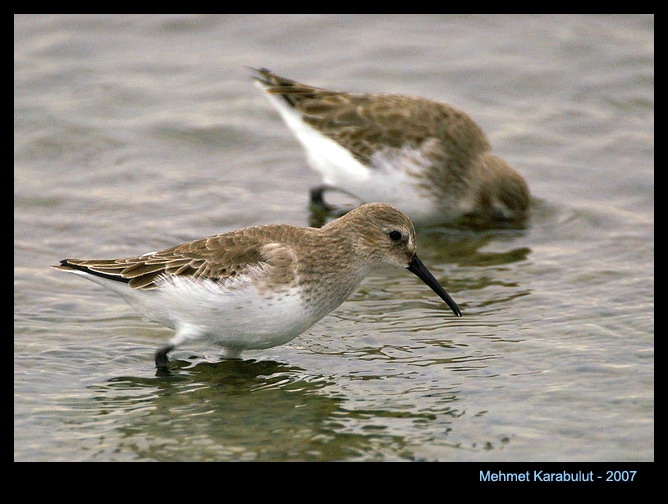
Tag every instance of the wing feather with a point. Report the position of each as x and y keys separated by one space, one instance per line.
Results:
x=219 y=257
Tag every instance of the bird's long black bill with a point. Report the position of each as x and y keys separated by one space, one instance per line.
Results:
x=420 y=270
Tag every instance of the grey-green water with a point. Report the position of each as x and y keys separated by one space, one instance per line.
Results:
x=133 y=133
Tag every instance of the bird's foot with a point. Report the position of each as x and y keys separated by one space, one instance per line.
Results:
x=161 y=360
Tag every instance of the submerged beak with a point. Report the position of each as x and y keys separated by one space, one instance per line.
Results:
x=416 y=266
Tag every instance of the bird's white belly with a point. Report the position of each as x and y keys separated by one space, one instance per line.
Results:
x=402 y=184
x=237 y=318
x=241 y=318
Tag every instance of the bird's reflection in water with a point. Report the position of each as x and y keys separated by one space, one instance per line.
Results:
x=239 y=410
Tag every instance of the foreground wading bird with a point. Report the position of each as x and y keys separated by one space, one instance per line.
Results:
x=262 y=286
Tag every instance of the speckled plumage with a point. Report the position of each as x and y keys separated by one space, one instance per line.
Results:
x=262 y=286
x=428 y=158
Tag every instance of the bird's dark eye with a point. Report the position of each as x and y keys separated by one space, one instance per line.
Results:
x=394 y=235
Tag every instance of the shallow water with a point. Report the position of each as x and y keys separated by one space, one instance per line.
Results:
x=134 y=133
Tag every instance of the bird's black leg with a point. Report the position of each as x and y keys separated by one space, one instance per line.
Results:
x=322 y=211
x=161 y=359
x=317 y=200
x=318 y=203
